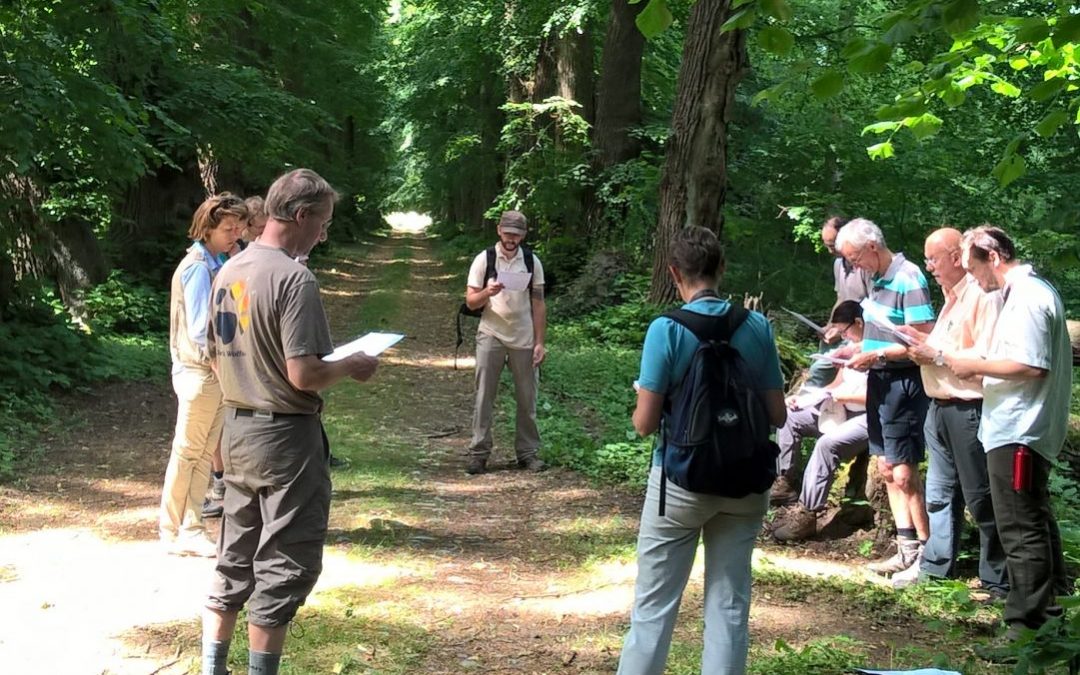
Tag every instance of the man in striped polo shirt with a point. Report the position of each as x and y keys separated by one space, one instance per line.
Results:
x=895 y=401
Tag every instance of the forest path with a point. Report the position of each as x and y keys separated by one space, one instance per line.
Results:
x=427 y=569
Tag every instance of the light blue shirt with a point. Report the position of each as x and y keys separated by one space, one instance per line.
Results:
x=197 y=280
x=669 y=348
x=1030 y=330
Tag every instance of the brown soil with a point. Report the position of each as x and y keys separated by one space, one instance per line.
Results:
x=506 y=594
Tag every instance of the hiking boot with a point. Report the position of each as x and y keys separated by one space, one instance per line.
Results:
x=212 y=509
x=783 y=492
x=336 y=462
x=476 y=465
x=910 y=576
x=906 y=552
x=217 y=489
x=799 y=524
x=533 y=463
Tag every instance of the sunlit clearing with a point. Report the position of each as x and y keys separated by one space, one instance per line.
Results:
x=71 y=587
x=411 y=221
x=812 y=568
x=463 y=362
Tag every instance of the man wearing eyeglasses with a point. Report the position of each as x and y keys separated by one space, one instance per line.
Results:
x=1027 y=381
x=957 y=473
x=268 y=336
x=895 y=401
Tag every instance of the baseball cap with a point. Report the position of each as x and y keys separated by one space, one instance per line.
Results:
x=513 y=222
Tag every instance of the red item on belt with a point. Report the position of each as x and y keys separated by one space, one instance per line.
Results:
x=1022 y=464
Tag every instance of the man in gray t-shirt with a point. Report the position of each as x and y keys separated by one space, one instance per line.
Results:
x=268 y=333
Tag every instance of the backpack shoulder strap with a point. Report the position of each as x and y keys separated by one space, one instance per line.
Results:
x=530 y=263
x=708 y=327
x=489 y=270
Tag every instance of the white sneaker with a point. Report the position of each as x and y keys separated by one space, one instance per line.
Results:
x=910 y=576
x=196 y=545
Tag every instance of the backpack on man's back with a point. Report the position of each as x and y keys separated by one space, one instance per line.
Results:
x=489 y=274
x=715 y=434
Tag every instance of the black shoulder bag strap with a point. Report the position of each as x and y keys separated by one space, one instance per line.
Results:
x=489 y=272
x=706 y=328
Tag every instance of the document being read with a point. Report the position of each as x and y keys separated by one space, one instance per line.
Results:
x=805 y=321
x=371 y=344
x=880 y=318
x=515 y=281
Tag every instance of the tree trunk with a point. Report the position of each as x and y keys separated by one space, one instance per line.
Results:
x=694 y=180
x=153 y=220
x=618 y=100
x=574 y=70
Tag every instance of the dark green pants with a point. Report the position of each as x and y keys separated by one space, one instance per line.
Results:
x=1029 y=534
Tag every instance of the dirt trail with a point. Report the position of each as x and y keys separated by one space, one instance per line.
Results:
x=494 y=566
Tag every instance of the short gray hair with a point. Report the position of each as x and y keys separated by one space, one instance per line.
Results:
x=298 y=189
x=858 y=233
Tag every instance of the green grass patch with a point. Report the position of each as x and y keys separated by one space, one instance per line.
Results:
x=382 y=301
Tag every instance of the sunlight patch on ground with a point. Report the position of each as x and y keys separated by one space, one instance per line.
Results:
x=342 y=294
x=463 y=362
x=408 y=221
x=609 y=590
x=145 y=516
x=810 y=567
x=70 y=585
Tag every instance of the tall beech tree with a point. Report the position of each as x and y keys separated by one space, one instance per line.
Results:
x=694 y=182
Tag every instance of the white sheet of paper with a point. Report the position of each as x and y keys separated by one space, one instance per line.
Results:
x=805 y=321
x=810 y=397
x=514 y=281
x=925 y=671
x=830 y=359
x=371 y=344
x=875 y=315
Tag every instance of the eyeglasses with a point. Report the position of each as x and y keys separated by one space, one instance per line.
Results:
x=933 y=260
x=854 y=262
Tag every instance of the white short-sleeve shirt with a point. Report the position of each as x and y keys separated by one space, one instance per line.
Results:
x=1030 y=330
x=508 y=315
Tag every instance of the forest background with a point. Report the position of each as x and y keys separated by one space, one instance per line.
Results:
x=610 y=124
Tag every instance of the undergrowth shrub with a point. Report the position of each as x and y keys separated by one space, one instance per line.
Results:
x=123 y=305
x=43 y=351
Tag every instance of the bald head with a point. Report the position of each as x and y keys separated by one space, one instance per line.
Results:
x=947 y=236
x=942 y=251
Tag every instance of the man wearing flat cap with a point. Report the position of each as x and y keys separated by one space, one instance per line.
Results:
x=512 y=328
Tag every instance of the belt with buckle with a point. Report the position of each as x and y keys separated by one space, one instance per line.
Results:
x=266 y=414
x=956 y=401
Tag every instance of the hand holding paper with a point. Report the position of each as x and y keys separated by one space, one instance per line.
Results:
x=371 y=344
x=515 y=281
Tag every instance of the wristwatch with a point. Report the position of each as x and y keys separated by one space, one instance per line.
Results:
x=939 y=359
x=881 y=356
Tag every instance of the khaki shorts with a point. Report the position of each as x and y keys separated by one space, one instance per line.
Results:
x=277 y=505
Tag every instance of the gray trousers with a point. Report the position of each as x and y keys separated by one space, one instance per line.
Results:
x=843 y=443
x=277 y=508
x=491 y=354
x=667 y=546
x=958 y=476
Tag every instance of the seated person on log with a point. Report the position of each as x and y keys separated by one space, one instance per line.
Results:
x=836 y=416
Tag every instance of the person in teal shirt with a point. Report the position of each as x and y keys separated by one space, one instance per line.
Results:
x=667 y=544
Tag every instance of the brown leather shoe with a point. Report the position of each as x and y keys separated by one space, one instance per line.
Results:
x=800 y=524
x=476 y=465
x=783 y=492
